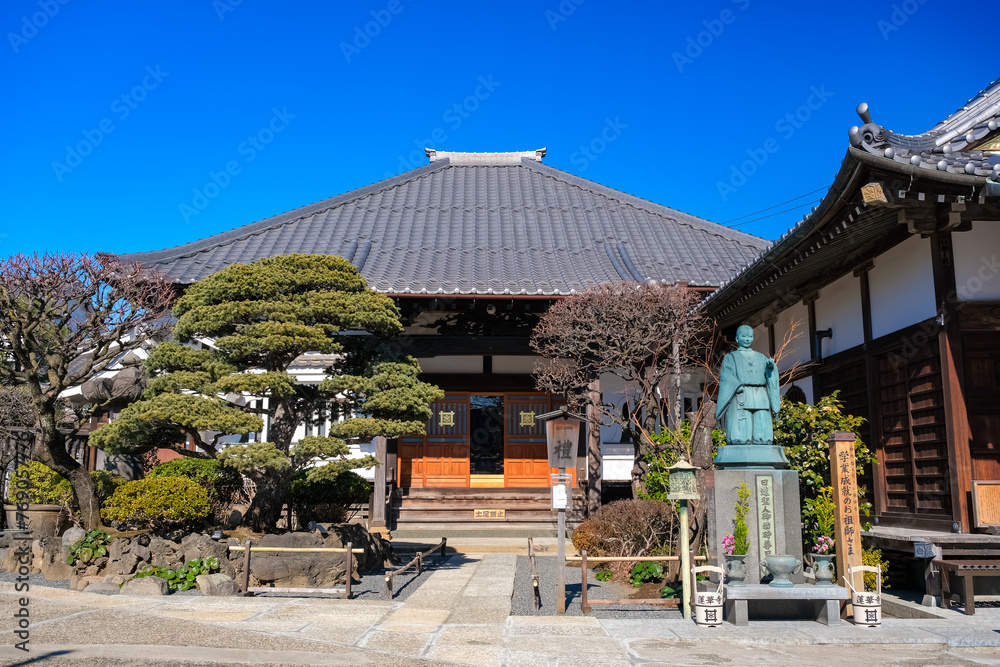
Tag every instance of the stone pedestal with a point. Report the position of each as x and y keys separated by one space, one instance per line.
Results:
x=783 y=513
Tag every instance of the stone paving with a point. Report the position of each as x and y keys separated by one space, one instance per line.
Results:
x=458 y=615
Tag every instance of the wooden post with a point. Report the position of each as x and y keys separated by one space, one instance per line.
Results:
x=844 y=477
x=561 y=557
x=350 y=570
x=420 y=564
x=444 y=544
x=376 y=509
x=246 y=568
x=583 y=586
x=685 y=561
x=388 y=586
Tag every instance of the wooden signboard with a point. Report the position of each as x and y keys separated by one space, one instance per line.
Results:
x=847 y=527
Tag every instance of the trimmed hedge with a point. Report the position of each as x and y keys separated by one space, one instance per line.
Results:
x=45 y=485
x=158 y=502
x=327 y=500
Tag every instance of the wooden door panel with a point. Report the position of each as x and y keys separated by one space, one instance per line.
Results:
x=411 y=462
x=526 y=456
x=446 y=446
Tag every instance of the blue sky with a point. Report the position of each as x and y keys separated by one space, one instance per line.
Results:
x=138 y=126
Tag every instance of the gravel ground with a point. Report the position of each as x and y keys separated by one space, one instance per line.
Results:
x=522 y=604
x=370 y=587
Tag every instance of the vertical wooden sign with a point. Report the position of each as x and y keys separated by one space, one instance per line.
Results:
x=847 y=529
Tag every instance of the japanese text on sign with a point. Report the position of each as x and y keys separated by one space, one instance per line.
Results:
x=847 y=481
x=765 y=516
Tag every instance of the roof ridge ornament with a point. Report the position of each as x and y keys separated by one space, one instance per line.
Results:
x=496 y=159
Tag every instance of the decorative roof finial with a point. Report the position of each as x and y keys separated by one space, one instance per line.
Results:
x=863 y=112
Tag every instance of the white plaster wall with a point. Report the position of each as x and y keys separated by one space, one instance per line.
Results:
x=510 y=365
x=452 y=364
x=977 y=261
x=761 y=340
x=902 y=286
x=798 y=349
x=839 y=308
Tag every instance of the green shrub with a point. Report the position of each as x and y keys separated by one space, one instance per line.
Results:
x=105 y=484
x=327 y=500
x=159 y=502
x=183 y=578
x=222 y=483
x=93 y=545
x=803 y=430
x=44 y=485
x=645 y=571
x=873 y=557
x=219 y=481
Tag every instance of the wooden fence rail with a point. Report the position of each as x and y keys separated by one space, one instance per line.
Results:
x=536 y=594
x=686 y=579
x=345 y=592
x=417 y=561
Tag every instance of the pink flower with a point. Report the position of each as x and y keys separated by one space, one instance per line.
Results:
x=824 y=545
x=728 y=544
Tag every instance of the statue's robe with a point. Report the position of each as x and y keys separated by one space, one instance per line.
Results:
x=748 y=395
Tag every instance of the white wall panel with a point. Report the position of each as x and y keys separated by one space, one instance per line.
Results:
x=977 y=261
x=798 y=349
x=452 y=364
x=839 y=308
x=902 y=287
x=513 y=365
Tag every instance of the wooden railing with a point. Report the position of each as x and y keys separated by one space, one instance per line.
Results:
x=686 y=579
x=536 y=594
x=345 y=592
x=418 y=562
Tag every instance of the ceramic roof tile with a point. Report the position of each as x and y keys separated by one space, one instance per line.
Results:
x=482 y=227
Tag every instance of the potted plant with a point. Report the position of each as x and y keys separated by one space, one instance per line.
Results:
x=736 y=545
x=38 y=496
x=821 y=510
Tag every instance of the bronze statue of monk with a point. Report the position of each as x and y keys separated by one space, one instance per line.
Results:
x=748 y=400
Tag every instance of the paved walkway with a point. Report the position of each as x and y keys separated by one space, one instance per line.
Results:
x=459 y=615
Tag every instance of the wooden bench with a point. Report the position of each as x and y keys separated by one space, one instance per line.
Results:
x=967 y=569
x=825 y=599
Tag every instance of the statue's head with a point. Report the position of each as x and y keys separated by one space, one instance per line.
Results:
x=744 y=336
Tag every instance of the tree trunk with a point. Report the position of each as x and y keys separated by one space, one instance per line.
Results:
x=265 y=508
x=701 y=458
x=52 y=453
x=283 y=424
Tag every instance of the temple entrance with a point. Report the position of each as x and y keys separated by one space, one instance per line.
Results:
x=486 y=440
x=479 y=440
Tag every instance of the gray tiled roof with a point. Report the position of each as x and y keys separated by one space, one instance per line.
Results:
x=482 y=226
x=949 y=146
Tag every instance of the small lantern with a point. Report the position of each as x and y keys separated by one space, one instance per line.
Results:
x=683 y=485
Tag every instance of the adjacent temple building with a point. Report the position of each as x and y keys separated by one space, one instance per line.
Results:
x=895 y=277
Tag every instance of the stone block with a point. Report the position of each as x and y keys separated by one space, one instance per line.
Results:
x=101 y=587
x=146 y=586
x=72 y=535
x=141 y=552
x=217 y=585
x=721 y=487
